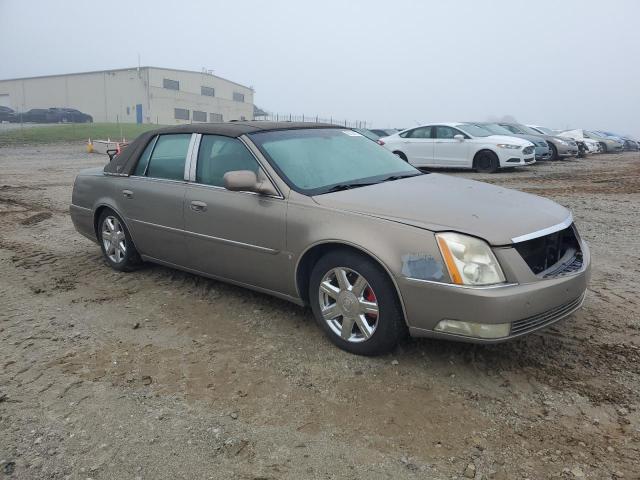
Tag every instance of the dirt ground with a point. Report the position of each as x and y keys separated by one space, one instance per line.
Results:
x=160 y=374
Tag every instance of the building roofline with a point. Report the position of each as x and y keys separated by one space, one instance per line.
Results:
x=146 y=67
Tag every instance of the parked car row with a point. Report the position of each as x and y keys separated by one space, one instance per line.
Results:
x=489 y=146
x=44 y=115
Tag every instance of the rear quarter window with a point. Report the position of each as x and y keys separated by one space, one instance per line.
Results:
x=168 y=157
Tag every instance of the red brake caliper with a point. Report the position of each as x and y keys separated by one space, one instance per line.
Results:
x=370 y=297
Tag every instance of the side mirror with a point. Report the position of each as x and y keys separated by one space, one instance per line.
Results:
x=459 y=137
x=247 y=181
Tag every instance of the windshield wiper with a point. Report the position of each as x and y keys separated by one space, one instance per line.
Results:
x=347 y=186
x=399 y=177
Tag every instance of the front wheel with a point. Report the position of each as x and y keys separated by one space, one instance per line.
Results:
x=115 y=242
x=487 y=162
x=554 y=152
x=355 y=303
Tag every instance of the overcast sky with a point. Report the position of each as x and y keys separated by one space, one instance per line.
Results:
x=561 y=64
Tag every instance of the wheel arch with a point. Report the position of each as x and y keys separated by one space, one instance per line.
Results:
x=101 y=207
x=314 y=252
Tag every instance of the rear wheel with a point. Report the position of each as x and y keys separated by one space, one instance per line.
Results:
x=115 y=242
x=355 y=303
x=554 y=152
x=603 y=147
x=486 y=162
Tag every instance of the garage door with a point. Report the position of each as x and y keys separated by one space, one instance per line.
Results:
x=4 y=100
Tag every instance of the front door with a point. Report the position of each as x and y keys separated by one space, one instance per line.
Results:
x=152 y=198
x=238 y=236
x=449 y=151
x=418 y=146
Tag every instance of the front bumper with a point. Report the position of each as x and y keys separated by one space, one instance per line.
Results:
x=514 y=158
x=567 y=150
x=527 y=306
x=543 y=153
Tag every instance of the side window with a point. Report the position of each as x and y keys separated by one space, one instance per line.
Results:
x=143 y=161
x=420 y=132
x=445 y=132
x=169 y=154
x=219 y=155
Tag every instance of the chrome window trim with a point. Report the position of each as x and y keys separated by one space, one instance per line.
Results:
x=154 y=179
x=193 y=159
x=235 y=243
x=188 y=157
x=545 y=231
x=216 y=187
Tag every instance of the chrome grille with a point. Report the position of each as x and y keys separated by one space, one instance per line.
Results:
x=546 y=318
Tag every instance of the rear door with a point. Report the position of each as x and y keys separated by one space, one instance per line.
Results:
x=153 y=198
x=449 y=151
x=417 y=144
x=238 y=236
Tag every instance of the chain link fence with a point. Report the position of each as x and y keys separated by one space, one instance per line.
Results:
x=279 y=117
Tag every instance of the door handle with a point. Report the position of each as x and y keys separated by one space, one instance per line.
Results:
x=127 y=193
x=198 y=206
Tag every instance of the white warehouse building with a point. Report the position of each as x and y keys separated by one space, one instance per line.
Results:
x=134 y=95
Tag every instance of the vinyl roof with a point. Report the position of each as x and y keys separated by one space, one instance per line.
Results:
x=236 y=129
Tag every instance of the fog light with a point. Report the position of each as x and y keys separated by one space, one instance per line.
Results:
x=472 y=329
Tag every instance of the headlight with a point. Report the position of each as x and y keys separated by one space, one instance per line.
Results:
x=469 y=260
x=511 y=147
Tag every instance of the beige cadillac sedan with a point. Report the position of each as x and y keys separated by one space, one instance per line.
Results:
x=322 y=216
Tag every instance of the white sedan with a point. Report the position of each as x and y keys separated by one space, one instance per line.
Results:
x=459 y=145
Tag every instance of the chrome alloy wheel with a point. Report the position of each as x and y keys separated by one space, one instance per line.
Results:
x=114 y=239
x=348 y=304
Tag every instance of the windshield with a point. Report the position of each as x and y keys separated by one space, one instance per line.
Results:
x=527 y=130
x=474 y=130
x=367 y=133
x=314 y=161
x=496 y=129
x=546 y=131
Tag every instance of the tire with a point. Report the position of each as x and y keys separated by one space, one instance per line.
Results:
x=119 y=258
x=401 y=155
x=554 y=152
x=368 y=290
x=486 y=162
x=604 y=147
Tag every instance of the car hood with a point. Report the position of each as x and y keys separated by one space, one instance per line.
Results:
x=512 y=140
x=441 y=202
x=536 y=140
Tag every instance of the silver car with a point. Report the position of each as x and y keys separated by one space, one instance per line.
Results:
x=560 y=147
x=321 y=216
x=542 y=152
